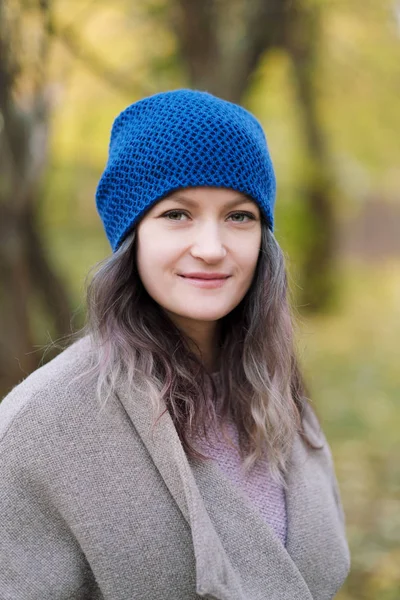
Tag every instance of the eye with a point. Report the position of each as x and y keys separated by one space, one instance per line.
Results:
x=242 y=214
x=171 y=214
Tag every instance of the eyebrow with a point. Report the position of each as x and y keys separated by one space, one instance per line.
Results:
x=189 y=202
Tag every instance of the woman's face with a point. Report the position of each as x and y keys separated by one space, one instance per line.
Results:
x=199 y=231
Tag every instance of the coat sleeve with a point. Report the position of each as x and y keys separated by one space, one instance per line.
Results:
x=39 y=556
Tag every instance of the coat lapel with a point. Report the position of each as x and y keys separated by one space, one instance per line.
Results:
x=237 y=555
x=215 y=575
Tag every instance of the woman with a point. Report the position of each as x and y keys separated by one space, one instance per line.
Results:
x=171 y=451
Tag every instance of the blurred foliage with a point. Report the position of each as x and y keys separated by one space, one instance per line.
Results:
x=351 y=363
x=107 y=56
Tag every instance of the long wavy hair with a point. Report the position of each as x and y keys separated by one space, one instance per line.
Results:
x=259 y=384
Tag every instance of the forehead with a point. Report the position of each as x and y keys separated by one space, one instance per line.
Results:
x=204 y=196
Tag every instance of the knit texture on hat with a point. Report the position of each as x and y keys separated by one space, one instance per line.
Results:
x=179 y=139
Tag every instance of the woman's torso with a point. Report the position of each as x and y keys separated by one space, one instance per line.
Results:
x=96 y=504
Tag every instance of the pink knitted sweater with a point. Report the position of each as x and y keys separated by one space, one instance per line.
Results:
x=261 y=490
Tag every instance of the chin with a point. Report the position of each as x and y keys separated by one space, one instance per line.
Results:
x=204 y=315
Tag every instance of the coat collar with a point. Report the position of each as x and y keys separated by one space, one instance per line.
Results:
x=237 y=555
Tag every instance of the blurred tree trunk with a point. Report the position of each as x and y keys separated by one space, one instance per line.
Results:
x=27 y=282
x=318 y=273
x=221 y=43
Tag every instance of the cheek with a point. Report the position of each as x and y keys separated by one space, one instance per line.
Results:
x=154 y=261
x=248 y=258
x=149 y=261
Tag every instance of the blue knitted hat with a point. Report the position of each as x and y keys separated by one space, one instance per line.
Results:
x=178 y=139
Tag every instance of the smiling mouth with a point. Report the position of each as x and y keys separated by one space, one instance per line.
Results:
x=202 y=282
x=205 y=277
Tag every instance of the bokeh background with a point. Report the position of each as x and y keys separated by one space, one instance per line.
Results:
x=323 y=77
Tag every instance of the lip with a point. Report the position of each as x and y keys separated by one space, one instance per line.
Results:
x=201 y=275
x=206 y=282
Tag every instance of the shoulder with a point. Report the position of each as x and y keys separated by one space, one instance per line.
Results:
x=311 y=424
x=52 y=388
x=314 y=439
x=322 y=455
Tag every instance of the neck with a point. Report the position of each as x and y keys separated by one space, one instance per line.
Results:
x=203 y=339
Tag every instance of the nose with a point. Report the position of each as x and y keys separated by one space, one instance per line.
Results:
x=208 y=243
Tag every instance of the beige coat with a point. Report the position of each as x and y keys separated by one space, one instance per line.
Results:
x=92 y=506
